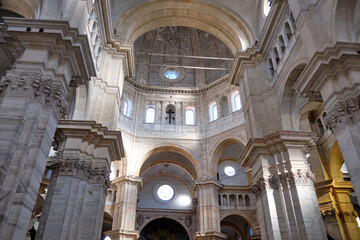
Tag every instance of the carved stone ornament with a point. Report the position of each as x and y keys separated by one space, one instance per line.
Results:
x=259 y=187
x=186 y=220
x=342 y=114
x=33 y=86
x=82 y=170
x=286 y=179
x=302 y=177
x=274 y=183
x=140 y=219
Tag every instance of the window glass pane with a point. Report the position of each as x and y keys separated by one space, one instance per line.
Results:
x=215 y=113
x=237 y=102
x=150 y=115
x=190 y=120
x=125 y=109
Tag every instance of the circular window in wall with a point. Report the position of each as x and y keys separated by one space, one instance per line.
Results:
x=229 y=171
x=165 y=192
x=171 y=72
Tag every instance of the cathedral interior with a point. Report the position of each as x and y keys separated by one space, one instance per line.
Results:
x=179 y=119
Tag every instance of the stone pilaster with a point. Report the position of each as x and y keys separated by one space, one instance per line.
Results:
x=75 y=201
x=343 y=120
x=286 y=202
x=208 y=212
x=34 y=95
x=125 y=208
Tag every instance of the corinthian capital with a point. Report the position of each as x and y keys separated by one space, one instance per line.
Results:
x=33 y=86
x=343 y=114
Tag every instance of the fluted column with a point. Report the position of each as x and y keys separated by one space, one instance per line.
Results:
x=125 y=208
x=208 y=212
x=75 y=201
x=286 y=201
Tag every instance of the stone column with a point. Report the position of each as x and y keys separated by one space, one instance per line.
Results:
x=208 y=212
x=283 y=185
x=34 y=95
x=125 y=209
x=75 y=201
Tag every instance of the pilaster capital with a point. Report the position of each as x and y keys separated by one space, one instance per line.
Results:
x=34 y=86
x=343 y=114
x=82 y=170
x=208 y=182
x=130 y=179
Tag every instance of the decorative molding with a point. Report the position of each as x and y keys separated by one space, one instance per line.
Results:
x=82 y=170
x=259 y=187
x=178 y=90
x=33 y=86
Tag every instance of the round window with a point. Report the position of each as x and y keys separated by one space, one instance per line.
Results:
x=171 y=73
x=229 y=171
x=165 y=192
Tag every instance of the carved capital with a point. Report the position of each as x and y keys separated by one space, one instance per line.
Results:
x=302 y=177
x=343 y=114
x=33 y=86
x=82 y=170
x=274 y=182
x=259 y=187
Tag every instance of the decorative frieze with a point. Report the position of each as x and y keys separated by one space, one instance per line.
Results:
x=343 y=114
x=82 y=170
x=34 y=86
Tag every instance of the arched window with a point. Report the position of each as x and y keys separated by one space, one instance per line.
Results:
x=267 y=7
x=190 y=116
x=213 y=113
x=235 y=101
x=150 y=114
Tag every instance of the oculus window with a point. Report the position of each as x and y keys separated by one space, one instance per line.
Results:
x=150 y=114
x=229 y=171
x=165 y=192
x=171 y=73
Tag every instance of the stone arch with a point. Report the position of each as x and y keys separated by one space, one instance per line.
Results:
x=218 y=150
x=217 y=21
x=234 y=220
x=345 y=21
x=291 y=103
x=336 y=160
x=24 y=8
x=190 y=166
x=167 y=217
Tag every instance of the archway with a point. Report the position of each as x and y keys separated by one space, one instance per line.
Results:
x=236 y=227
x=163 y=229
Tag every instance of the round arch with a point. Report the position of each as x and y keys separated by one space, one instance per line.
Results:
x=336 y=160
x=218 y=150
x=245 y=218
x=219 y=22
x=25 y=8
x=291 y=103
x=161 y=221
x=239 y=222
x=169 y=148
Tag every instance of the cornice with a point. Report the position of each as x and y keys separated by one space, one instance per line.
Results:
x=94 y=133
x=329 y=64
x=275 y=142
x=178 y=90
x=24 y=31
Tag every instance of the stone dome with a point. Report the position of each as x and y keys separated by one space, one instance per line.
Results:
x=180 y=57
